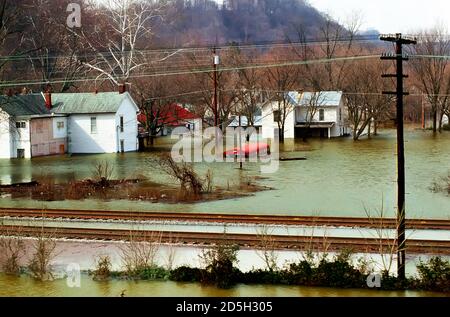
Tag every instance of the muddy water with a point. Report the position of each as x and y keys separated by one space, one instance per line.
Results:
x=340 y=178
x=25 y=286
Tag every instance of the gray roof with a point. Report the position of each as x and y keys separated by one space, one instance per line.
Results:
x=244 y=121
x=323 y=98
x=24 y=105
x=84 y=103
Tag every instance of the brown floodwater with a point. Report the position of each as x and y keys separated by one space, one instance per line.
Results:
x=339 y=178
x=26 y=286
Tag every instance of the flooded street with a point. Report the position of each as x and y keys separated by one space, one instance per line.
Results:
x=339 y=178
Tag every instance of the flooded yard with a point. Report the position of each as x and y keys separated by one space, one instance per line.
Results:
x=339 y=178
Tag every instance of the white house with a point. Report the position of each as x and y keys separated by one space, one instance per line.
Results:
x=320 y=114
x=28 y=129
x=99 y=122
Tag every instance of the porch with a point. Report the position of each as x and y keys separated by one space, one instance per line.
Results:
x=314 y=129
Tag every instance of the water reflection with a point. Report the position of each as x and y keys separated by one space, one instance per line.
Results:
x=25 y=286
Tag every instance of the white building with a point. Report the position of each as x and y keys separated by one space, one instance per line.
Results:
x=34 y=125
x=20 y=116
x=320 y=114
x=99 y=122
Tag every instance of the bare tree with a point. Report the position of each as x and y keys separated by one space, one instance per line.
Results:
x=267 y=246
x=248 y=84
x=139 y=253
x=281 y=80
x=365 y=104
x=44 y=252
x=122 y=29
x=430 y=70
x=12 y=249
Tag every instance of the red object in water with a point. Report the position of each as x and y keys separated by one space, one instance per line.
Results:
x=248 y=149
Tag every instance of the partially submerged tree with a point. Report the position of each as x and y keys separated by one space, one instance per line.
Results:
x=364 y=101
x=431 y=69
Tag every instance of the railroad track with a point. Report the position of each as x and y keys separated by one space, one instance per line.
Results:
x=368 y=245
x=417 y=224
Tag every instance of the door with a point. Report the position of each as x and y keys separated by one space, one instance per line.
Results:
x=20 y=153
x=62 y=149
x=122 y=146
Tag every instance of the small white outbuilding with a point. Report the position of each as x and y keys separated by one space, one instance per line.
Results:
x=98 y=122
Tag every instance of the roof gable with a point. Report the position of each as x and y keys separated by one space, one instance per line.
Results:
x=85 y=103
x=24 y=105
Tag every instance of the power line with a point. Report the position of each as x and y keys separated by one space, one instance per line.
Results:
x=198 y=71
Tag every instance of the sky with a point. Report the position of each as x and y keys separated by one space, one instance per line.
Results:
x=382 y=14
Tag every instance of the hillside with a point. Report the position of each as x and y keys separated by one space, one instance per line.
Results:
x=243 y=21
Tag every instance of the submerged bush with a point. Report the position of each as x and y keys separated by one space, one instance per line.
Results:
x=186 y=274
x=434 y=275
x=219 y=265
x=102 y=268
x=153 y=273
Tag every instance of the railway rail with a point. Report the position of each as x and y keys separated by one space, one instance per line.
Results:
x=367 y=245
x=387 y=223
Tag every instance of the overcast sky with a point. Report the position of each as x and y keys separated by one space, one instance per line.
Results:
x=382 y=14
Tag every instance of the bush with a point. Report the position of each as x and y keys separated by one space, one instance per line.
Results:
x=102 y=268
x=153 y=273
x=219 y=262
x=338 y=274
x=186 y=274
x=434 y=275
x=300 y=274
x=446 y=127
x=269 y=277
x=11 y=251
x=39 y=264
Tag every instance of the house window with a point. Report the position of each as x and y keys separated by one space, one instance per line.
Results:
x=340 y=114
x=321 y=115
x=21 y=125
x=93 y=125
x=277 y=116
x=60 y=125
x=121 y=124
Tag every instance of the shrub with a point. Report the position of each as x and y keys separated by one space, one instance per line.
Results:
x=153 y=273
x=102 y=268
x=337 y=274
x=219 y=265
x=300 y=274
x=434 y=275
x=270 y=277
x=11 y=251
x=39 y=264
x=186 y=274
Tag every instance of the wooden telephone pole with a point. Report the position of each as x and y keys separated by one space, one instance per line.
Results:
x=401 y=214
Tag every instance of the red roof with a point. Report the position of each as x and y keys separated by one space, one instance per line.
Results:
x=172 y=115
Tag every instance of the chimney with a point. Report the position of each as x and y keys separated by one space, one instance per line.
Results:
x=48 y=98
x=122 y=88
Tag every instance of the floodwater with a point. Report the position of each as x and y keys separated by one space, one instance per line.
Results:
x=339 y=178
x=26 y=286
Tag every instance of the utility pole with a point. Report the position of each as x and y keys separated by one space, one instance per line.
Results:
x=423 y=111
x=401 y=214
x=216 y=62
